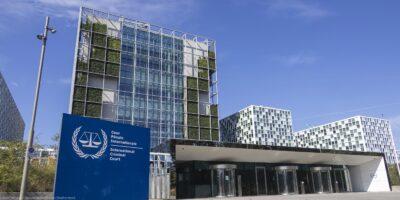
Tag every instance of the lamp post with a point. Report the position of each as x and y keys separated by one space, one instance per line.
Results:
x=29 y=149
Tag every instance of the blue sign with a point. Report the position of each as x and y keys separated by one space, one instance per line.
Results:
x=102 y=160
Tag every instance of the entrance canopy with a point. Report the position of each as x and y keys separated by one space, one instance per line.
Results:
x=187 y=150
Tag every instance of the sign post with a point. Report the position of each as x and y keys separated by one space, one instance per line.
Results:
x=102 y=160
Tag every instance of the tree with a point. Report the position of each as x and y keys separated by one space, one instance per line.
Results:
x=12 y=154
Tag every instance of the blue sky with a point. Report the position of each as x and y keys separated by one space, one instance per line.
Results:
x=323 y=60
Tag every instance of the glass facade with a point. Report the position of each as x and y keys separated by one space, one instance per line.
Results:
x=141 y=74
x=12 y=125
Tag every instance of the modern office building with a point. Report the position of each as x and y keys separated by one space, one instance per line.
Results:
x=258 y=125
x=12 y=125
x=138 y=73
x=357 y=133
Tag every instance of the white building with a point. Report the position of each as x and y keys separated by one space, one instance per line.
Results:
x=357 y=133
x=258 y=125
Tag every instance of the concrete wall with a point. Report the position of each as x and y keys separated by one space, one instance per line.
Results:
x=370 y=176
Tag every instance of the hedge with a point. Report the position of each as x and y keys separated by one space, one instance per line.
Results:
x=214 y=110
x=100 y=28
x=192 y=107
x=204 y=134
x=81 y=65
x=214 y=135
x=78 y=108
x=202 y=62
x=94 y=95
x=99 y=40
x=79 y=93
x=211 y=54
x=93 y=110
x=193 y=120
x=193 y=133
x=112 y=69
x=80 y=78
x=98 y=53
x=191 y=82
x=113 y=56
x=203 y=85
x=204 y=121
x=212 y=64
x=214 y=122
x=192 y=95
x=203 y=73
x=114 y=43
x=96 y=66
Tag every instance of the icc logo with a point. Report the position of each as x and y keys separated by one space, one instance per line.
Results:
x=89 y=141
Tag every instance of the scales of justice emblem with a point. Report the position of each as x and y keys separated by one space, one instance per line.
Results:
x=89 y=140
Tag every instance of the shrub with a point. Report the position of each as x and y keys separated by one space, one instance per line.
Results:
x=191 y=82
x=114 y=43
x=203 y=85
x=203 y=73
x=212 y=64
x=112 y=69
x=204 y=121
x=192 y=95
x=80 y=78
x=93 y=110
x=193 y=133
x=113 y=56
x=193 y=120
x=99 y=40
x=215 y=135
x=100 y=28
x=214 y=122
x=79 y=93
x=85 y=26
x=94 y=95
x=98 y=53
x=78 y=108
x=81 y=65
x=211 y=54
x=214 y=110
x=202 y=62
x=96 y=66
x=192 y=107
x=205 y=134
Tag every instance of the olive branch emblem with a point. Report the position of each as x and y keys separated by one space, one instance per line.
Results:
x=80 y=153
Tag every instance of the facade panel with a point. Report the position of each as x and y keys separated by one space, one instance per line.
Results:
x=12 y=125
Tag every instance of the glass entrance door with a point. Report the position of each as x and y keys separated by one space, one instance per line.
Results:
x=261 y=181
x=321 y=179
x=287 y=179
x=342 y=180
x=223 y=180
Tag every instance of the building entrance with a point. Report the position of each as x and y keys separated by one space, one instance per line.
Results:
x=287 y=179
x=321 y=179
x=223 y=180
x=342 y=180
x=261 y=181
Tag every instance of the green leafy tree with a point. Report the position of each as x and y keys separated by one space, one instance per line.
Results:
x=41 y=177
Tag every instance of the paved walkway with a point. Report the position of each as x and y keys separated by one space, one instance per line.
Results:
x=333 y=196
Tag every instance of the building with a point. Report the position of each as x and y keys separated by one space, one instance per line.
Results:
x=216 y=169
x=258 y=125
x=138 y=73
x=357 y=133
x=12 y=125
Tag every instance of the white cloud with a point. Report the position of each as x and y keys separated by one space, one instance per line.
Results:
x=296 y=59
x=297 y=8
x=66 y=81
x=143 y=9
x=15 y=84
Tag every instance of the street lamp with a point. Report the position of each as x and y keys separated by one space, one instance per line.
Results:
x=29 y=149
